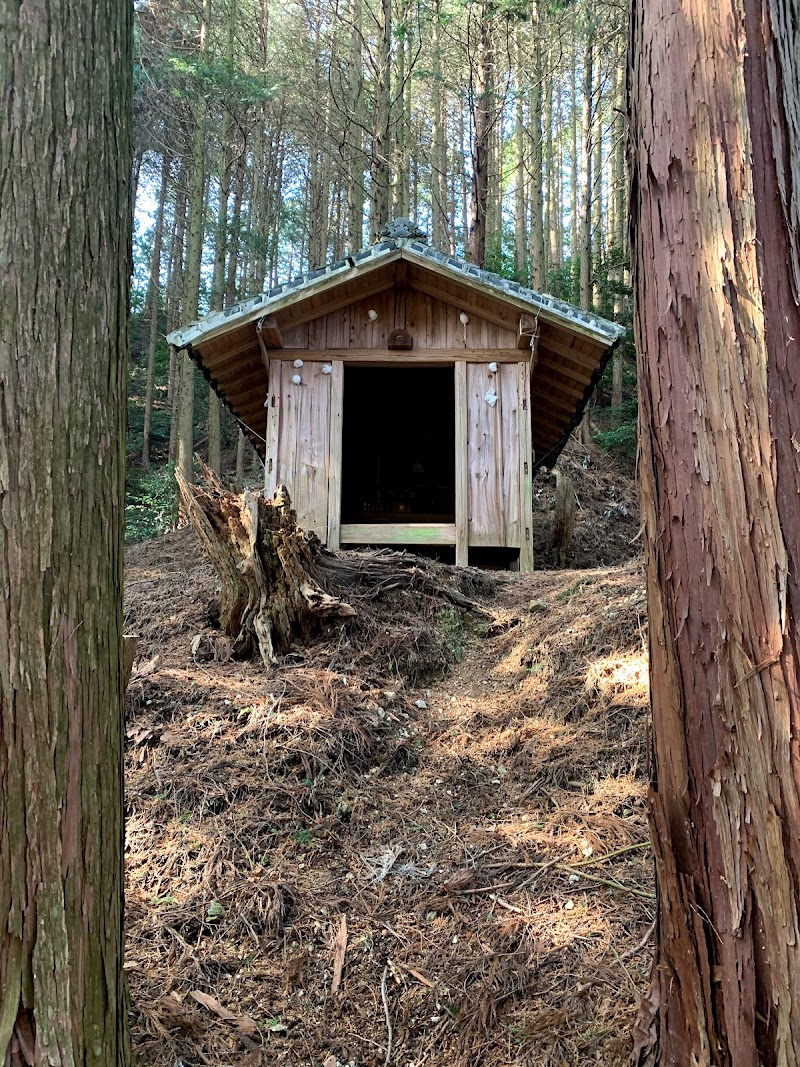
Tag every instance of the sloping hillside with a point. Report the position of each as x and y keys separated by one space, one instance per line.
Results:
x=423 y=843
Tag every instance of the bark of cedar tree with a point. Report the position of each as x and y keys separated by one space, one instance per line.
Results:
x=714 y=100
x=65 y=164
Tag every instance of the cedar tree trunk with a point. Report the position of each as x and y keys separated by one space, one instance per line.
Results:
x=714 y=95
x=65 y=165
x=482 y=77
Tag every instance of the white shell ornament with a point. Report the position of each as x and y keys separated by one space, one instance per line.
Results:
x=491 y=397
x=327 y=368
x=373 y=314
x=493 y=368
x=296 y=379
x=298 y=363
x=463 y=318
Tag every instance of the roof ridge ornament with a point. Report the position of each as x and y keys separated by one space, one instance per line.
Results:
x=403 y=229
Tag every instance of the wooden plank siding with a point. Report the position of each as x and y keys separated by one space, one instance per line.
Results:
x=335 y=456
x=462 y=466
x=524 y=436
x=493 y=456
x=298 y=441
x=433 y=323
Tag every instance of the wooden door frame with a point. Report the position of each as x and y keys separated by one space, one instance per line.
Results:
x=462 y=465
x=395 y=533
x=336 y=413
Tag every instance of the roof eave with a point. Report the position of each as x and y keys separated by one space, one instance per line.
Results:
x=601 y=331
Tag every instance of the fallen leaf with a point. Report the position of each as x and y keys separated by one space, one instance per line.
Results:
x=339 y=950
x=244 y=1024
x=330 y=1061
x=213 y=1005
x=420 y=976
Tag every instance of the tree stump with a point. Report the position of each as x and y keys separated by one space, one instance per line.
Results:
x=564 y=519
x=270 y=592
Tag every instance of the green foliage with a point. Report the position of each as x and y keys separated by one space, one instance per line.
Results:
x=151 y=506
x=451 y=623
x=304 y=837
x=619 y=436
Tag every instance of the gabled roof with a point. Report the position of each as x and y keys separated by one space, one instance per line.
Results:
x=231 y=347
x=383 y=253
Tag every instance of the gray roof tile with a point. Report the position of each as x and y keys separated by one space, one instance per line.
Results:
x=605 y=330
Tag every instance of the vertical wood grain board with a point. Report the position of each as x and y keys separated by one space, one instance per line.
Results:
x=509 y=403
x=524 y=437
x=462 y=465
x=433 y=323
x=493 y=456
x=299 y=422
x=335 y=456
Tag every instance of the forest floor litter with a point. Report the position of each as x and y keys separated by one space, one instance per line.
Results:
x=421 y=841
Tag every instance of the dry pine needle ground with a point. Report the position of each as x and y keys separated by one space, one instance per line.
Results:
x=422 y=841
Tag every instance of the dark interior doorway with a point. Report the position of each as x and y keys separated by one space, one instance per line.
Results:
x=398 y=445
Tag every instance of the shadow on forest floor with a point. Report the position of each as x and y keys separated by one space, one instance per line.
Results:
x=470 y=849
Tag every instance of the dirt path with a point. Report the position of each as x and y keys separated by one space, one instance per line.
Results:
x=466 y=830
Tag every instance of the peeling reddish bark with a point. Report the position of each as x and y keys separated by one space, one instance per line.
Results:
x=64 y=244
x=714 y=98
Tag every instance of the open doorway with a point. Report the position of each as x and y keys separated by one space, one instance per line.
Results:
x=398 y=445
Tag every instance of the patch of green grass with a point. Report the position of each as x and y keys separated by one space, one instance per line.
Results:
x=576 y=587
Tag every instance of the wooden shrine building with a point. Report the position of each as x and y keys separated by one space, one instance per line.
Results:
x=403 y=396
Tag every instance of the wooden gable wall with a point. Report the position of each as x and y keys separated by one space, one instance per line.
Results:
x=433 y=324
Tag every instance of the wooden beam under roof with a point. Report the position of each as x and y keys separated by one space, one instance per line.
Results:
x=528 y=335
x=406 y=357
x=269 y=332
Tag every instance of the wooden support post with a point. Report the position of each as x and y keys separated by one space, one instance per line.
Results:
x=564 y=519
x=524 y=415
x=271 y=444
x=335 y=456
x=462 y=472
x=130 y=646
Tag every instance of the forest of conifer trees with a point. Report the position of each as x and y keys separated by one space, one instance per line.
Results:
x=270 y=138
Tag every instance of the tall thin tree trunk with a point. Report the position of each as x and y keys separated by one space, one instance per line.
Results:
x=355 y=133
x=241 y=445
x=587 y=183
x=439 y=196
x=575 y=228
x=401 y=161
x=65 y=169
x=617 y=240
x=380 y=166
x=548 y=178
x=520 y=202
x=537 y=173
x=481 y=110
x=555 y=165
x=153 y=300
x=462 y=133
x=194 y=257
x=221 y=245
x=598 y=216
x=716 y=247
